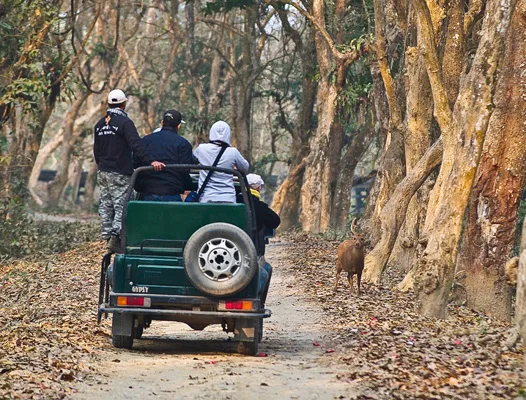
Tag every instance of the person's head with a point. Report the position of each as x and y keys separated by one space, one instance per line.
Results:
x=117 y=99
x=255 y=182
x=172 y=119
x=220 y=131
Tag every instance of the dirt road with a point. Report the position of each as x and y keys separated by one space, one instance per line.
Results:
x=175 y=362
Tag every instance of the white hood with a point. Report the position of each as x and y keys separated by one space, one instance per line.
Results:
x=220 y=131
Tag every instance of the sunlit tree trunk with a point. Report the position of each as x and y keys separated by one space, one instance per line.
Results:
x=343 y=189
x=489 y=234
x=287 y=199
x=463 y=136
x=56 y=187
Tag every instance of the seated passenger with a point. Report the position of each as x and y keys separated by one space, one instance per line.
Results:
x=220 y=187
x=266 y=218
x=170 y=148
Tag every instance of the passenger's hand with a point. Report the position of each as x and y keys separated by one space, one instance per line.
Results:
x=157 y=165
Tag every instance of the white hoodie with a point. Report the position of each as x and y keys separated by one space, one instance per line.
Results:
x=220 y=187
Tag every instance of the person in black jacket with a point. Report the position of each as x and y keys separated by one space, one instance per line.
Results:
x=168 y=146
x=115 y=139
x=266 y=218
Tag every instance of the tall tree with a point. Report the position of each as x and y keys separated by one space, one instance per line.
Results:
x=490 y=227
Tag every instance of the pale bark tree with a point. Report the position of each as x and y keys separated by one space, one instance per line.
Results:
x=286 y=201
x=468 y=122
x=489 y=233
x=325 y=145
x=392 y=168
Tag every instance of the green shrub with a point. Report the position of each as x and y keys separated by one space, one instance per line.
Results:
x=22 y=236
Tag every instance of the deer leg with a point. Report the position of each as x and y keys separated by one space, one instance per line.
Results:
x=349 y=278
x=336 y=279
x=359 y=279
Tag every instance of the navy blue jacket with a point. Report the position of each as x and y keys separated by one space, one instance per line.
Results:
x=115 y=139
x=168 y=147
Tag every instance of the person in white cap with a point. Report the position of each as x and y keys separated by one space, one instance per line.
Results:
x=220 y=187
x=266 y=218
x=115 y=138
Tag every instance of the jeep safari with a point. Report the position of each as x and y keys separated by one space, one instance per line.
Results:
x=196 y=263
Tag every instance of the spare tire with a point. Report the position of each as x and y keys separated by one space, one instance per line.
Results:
x=220 y=259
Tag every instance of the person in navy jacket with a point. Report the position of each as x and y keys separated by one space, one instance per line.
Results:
x=167 y=146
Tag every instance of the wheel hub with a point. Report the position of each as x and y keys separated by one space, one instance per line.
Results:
x=220 y=259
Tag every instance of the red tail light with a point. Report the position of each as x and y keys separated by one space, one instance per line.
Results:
x=134 y=301
x=245 y=305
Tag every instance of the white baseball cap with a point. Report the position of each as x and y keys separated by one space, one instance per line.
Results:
x=255 y=180
x=116 y=96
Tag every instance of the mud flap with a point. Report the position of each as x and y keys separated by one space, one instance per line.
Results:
x=245 y=330
x=122 y=324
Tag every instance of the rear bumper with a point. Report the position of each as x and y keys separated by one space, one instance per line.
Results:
x=180 y=306
x=184 y=313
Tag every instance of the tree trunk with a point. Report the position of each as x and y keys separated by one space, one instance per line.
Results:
x=69 y=195
x=394 y=212
x=287 y=198
x=89 y=187
x=417 y=139
x=314 y=188
x=43 y=155
x=23 y=149
x=520 y=305
x=56 y=187
x=392 y=167
x=381 y=115
x=343 y=192
x=463 y=136
x=489 y=235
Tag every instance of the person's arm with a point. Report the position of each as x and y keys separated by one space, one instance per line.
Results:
x=240 y=162
x=139 y=149
x=195 y=156
x=269 y=218
x=186 y=157
x=137 y=162
x=96 y=147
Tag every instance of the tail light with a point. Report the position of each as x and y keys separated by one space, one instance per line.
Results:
x=237 y=305
x=134 y=301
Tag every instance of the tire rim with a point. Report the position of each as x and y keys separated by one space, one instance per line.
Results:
x=220 y=259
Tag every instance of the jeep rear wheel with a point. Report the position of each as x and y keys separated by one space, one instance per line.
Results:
x=220 y=259
x=251 y=348
x=122 y=342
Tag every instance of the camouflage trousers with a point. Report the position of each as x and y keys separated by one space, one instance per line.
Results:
x=113 y=188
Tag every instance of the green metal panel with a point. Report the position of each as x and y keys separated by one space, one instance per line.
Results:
x=176 y=220
x=162 y=275
x=161 y=270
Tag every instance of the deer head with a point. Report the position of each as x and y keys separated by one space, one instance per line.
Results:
x=358 y=237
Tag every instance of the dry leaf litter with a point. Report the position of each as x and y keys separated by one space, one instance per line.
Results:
x=394 y=353
x=49 y=335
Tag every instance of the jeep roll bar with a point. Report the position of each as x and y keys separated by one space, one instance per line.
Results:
x=247 y=199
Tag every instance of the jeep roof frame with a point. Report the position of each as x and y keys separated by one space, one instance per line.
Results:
x=247 y=200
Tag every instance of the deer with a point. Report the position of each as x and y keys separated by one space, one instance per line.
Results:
x=351 y=258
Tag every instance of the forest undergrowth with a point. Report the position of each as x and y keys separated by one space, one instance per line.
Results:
x=393 y=352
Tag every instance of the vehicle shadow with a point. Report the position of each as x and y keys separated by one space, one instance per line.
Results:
x=215 y=343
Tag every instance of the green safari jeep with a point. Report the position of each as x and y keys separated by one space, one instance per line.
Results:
x=196 y=263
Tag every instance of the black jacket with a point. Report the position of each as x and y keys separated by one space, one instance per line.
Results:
x=115 y=139
x=168 y=147
x=265 y=216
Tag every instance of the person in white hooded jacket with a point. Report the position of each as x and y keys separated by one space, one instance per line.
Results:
x=220 y=187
